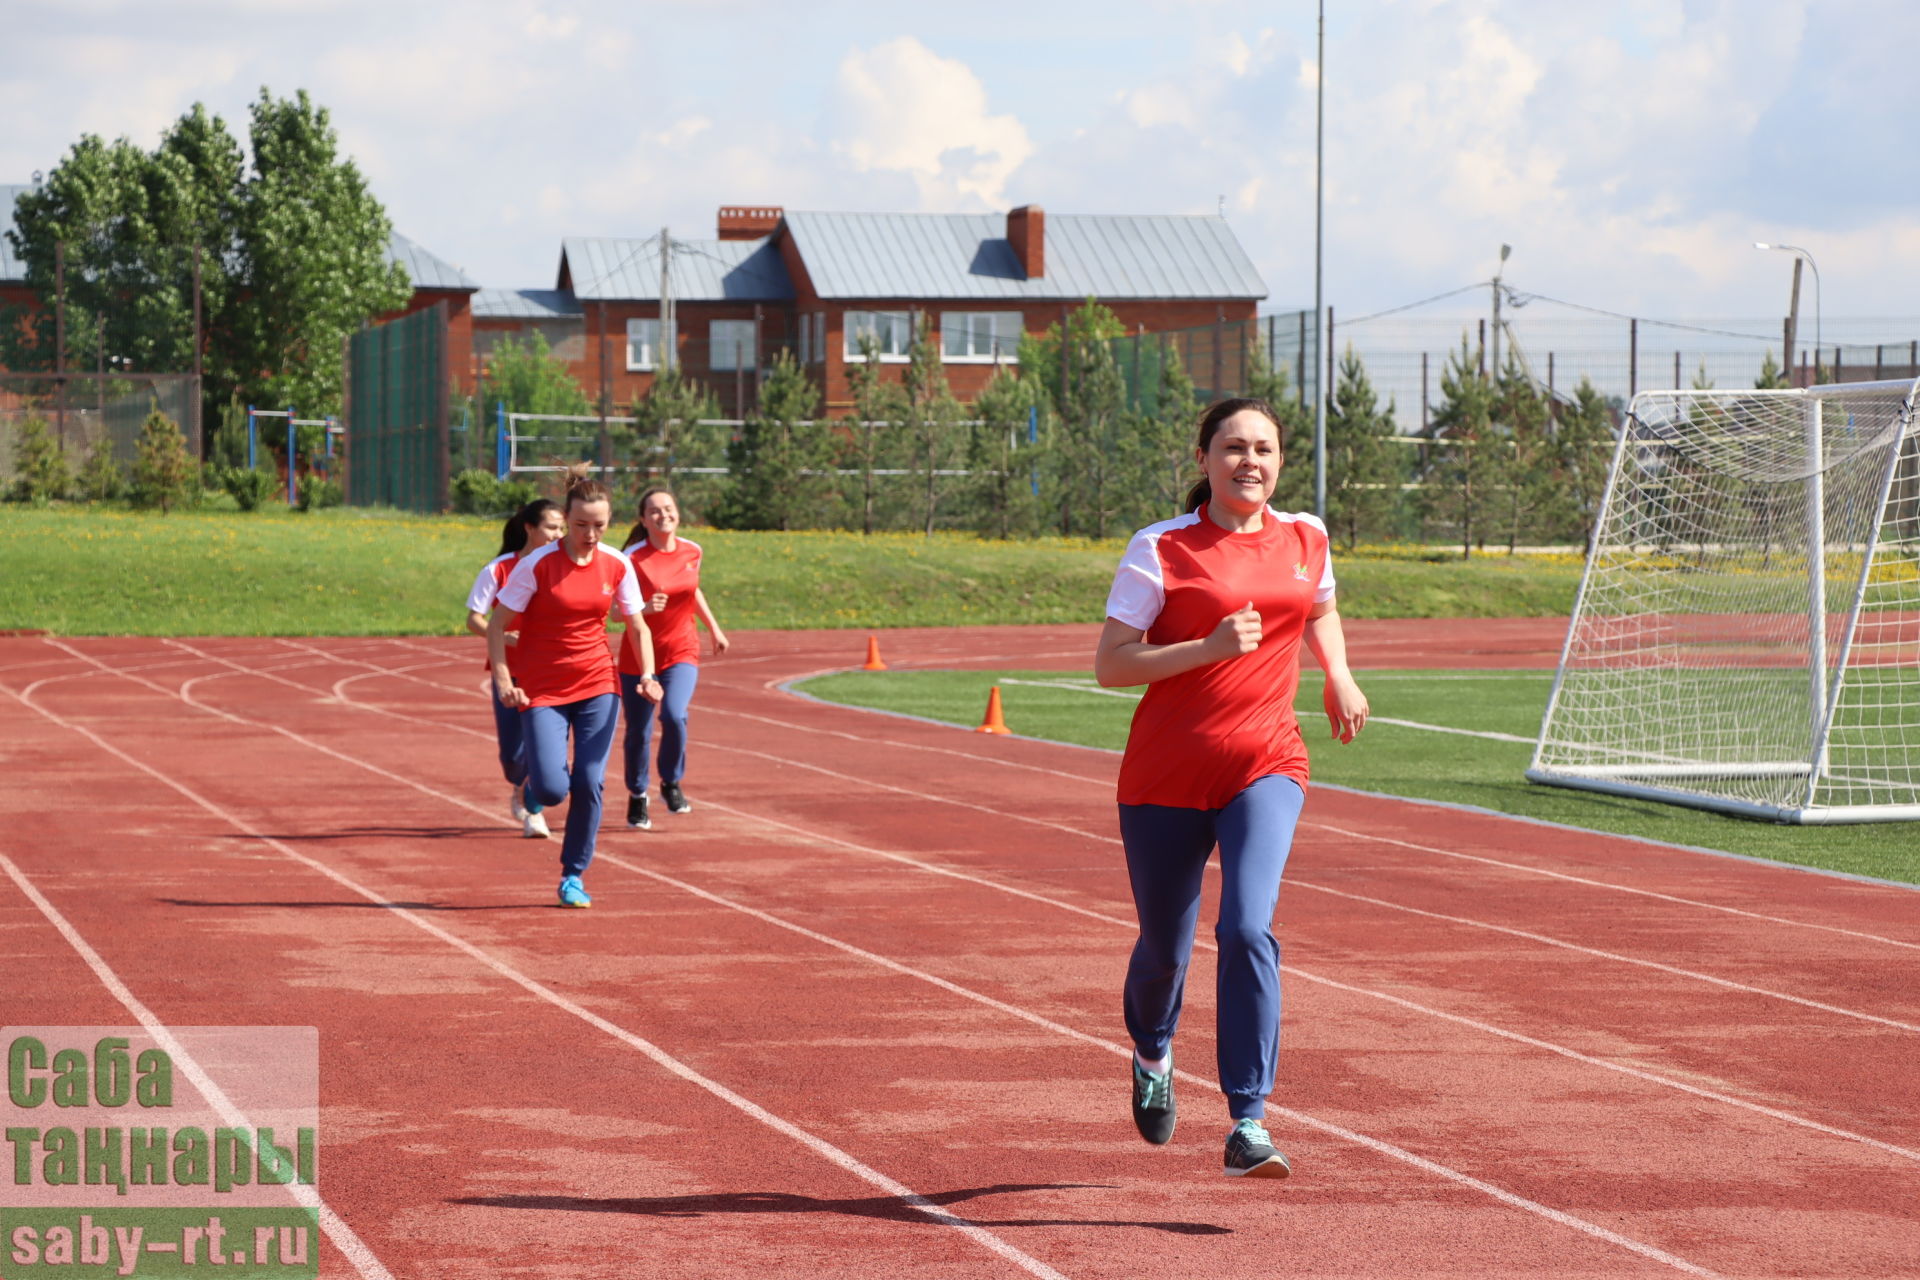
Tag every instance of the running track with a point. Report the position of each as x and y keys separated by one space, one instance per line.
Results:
x=857 y=1015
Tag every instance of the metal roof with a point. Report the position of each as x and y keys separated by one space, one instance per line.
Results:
x=12 y=270
x=525 y=304
x=424 y=270
x=967 y=255
x=702 y=270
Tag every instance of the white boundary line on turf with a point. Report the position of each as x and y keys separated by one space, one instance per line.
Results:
x=1743 y=859
x=819 y=1146
x=1135 y=697
x=343 y=1236
x=918 y=864
x=1509 y=1198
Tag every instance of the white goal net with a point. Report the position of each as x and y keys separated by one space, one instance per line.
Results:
x=1747 y=633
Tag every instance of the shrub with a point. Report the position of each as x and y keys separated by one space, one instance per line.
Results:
x=101 y=479
x=164 y=476
x=314 y=492
x=250 y=486
x=479 y=493
x=39 y=464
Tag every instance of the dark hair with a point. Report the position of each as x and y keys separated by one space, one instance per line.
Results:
x=587 y=491
x=513 y=537
x=1218 y=412
x=639 y=529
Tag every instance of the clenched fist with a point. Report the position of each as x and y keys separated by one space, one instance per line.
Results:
x=1238 y=633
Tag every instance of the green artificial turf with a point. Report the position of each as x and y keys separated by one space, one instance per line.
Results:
x=1396 y=759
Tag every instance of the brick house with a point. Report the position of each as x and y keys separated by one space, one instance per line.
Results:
x=815 y=284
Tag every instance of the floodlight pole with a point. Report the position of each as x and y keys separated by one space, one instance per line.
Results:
x=1793 y=321
x=1319 y=213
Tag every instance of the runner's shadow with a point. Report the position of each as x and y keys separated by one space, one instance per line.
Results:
x=381 y=833
x=361 y=902
x=890 y=1208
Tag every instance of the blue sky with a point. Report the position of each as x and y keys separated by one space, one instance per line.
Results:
x=1630 y=151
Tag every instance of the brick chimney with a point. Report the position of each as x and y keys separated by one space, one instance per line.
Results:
x=1027 y=232
x=749 y=221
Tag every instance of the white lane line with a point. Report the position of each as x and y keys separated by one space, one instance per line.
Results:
x=343 y=1236
x=819 y=1146
x=1204 y=945
x=1405 y=724
x=1107 y=782
x=1500 y=1194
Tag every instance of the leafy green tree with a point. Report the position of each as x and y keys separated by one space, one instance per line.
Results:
x=40 y=466
x=937 y=441
x=164 y=476
x=293 y=256
x=779 y=460
x=101 y=479
x=1002 y=457
x=528 y=378
x=1364 y=465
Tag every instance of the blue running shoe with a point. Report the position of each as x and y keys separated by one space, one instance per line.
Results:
x=1153 y=1110
x=572 y=893
x=1250 y=1153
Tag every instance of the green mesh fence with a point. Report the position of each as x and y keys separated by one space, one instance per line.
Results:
x=396 y=440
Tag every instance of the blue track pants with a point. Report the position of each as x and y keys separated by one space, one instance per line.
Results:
x=550 y=781
x=676 y=687
x=1167 y=852
x=513 y=759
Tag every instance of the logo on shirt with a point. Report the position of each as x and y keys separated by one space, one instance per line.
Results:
x=606 y=588
x=1300 y=571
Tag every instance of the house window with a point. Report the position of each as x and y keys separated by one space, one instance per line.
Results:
x=805 y=350
x=643 y=344
x=891 y=331
x=980 y=336
x=819 y=337
x=730 y=344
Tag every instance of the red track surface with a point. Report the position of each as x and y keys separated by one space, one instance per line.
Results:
x=881 y=960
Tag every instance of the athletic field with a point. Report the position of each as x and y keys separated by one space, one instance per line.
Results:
x=857 y=1015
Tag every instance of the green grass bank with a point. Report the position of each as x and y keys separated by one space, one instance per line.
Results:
x=1398 y=760
x=106 y=570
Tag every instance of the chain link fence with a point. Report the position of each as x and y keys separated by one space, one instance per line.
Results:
x=80 y=411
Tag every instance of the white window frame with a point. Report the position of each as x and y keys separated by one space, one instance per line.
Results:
x=644 y=354
x=899 y=328
x=819 y=337
x=1005 y=326
x=740 y=354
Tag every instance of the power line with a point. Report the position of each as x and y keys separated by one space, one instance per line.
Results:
x=1465 y=288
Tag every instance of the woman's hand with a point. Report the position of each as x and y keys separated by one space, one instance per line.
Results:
x=650 y=689
x=1238 y=633
x=657 y=602
x=1347 y=708
x=511 y=695
x=513 y=638
x=720 y=642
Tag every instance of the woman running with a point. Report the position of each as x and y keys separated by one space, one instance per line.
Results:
x=669 y=570
x=559 y=597
x=527 y=530
x=1208 y=611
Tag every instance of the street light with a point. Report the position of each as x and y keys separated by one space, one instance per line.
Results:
x=1800 y=255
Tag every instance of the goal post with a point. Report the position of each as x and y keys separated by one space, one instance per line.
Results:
x=1746 y=637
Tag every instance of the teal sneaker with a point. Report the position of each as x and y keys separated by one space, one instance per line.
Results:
x=1153 y=1112
x=1250 y=1153
x=573 y=893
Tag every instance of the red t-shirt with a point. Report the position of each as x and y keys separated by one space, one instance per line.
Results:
x=676 y=572
x=1202 y=737
x=562 y=655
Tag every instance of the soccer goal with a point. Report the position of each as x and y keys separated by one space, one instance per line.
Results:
x=1747 y=633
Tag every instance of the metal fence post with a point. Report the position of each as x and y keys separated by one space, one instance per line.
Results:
x=292 y=453
x=251 y=436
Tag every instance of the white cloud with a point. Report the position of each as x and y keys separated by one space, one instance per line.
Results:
x=901 y=107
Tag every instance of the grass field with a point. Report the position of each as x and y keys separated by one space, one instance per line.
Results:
x=1396 y=759
x=77 y=570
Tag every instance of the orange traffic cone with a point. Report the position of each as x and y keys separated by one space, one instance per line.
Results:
x=873 y=662
x=995 y=722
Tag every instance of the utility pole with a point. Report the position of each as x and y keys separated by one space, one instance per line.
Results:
x=1505 y=249
x=60 y=340
x=1319 y=210
x=668 y=332
x=1793 y=317
x=199 y=387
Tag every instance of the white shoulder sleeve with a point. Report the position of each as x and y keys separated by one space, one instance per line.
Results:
x=1139 y=587
x=521 y=584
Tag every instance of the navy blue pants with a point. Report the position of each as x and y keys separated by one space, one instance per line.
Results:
x=676 y=690
x=549 y=781
x=513 y=756
x=1167 y=852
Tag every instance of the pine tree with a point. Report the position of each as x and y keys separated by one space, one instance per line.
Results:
x=1271 y=383
x=1162 y=439
x=1004 y=487
x=870 y=443
x=1772 y=377
x=100 y=479
x=938 y=441
x=1521 y=415
x=1582 y=438
x=164 y=476
x=39 y=464
x=1364 y=465
x=1465 y=473
x=778 y=459
x=671 y=431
